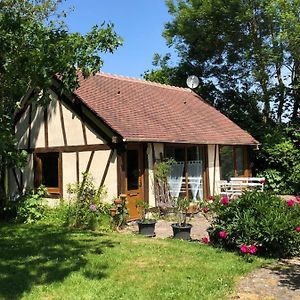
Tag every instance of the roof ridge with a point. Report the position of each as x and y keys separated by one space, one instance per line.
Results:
x=139 y=80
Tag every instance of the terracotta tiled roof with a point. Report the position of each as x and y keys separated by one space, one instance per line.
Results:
x=144 y=111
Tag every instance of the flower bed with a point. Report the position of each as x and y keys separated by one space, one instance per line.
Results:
x=255 y=223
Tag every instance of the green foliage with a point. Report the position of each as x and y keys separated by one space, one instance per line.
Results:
x=162 y=170
x=87 y=209
x=142 y=207
x=58 y=215
x=260 y=219
x=280 y=160
x=119 y=213
x=246 y=48
x=35 y=45
x=30 y=207
x=274 y=181
x=182 y=205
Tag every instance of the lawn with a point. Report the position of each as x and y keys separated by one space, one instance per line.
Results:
x=48 y=262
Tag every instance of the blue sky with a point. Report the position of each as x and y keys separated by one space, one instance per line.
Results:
x=139 y=22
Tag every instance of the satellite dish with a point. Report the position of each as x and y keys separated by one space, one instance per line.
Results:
x=192 y=81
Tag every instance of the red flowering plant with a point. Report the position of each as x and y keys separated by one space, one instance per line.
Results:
x=248 y=251
x=256 y=223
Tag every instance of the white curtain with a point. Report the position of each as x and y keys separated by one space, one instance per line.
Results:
x=175 y=178
x=194 y=169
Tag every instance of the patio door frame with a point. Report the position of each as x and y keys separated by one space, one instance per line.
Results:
x=206 y=190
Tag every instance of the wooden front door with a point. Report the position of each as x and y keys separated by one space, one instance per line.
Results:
x=134 y=178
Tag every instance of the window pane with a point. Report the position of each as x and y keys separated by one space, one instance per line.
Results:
x=170 y=152
x=179 y=154
x=176 y=153
x=50 y=169
x=132 y=169
x=194 y=153
x=239 y=158
x=227 y=163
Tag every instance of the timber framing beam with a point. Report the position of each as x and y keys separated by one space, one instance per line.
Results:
x=79 y=148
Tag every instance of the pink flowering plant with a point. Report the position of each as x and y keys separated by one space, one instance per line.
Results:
x=87 y=209
x=256 y=223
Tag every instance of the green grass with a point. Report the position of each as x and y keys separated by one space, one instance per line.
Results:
x=48 y=262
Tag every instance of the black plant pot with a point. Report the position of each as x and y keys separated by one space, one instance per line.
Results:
x=147 y=227
x=182 y=232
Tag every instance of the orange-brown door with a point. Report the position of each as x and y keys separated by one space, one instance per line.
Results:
x=134 y=178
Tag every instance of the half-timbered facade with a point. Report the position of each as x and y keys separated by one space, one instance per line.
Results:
x=116 y=128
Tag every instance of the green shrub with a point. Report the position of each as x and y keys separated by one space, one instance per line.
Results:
x=58 y=215
x=88 y=211
x=30 y=207
x=280 y=159
x=259 y=219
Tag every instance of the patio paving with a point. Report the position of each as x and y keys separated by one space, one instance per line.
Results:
x=163 y=228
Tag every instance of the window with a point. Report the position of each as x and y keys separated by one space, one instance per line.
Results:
x=186 y=178
x=132 y=170
x=233 y=161
x=47 y=171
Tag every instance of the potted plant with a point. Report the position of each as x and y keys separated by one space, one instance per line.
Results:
x=119 y=212
x=182 y=229
x=146 y=225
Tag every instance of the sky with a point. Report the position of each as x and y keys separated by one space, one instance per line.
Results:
x=139 y=22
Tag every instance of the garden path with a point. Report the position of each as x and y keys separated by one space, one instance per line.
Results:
x=278 y=281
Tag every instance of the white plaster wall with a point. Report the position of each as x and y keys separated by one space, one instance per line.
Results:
x=55 y=133
x=68 y=171
x=158 y=148
x=28 y=174
x=73 y=127
x=28 y=178
x=12 y=185
x=92 y=137
x=37 y=138
x=22 y=131
x=214 y=176
x=96 y=169
x=151 y=176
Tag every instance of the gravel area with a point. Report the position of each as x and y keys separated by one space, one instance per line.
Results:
x=163 y=228
x=278 y=281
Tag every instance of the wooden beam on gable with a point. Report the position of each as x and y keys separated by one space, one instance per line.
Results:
x=93 y=147
x=84 y=132
x=29 y=126
x=17 y=180
x=89 y=162
x=89 y=118
x=86 y=171
x=106 y=168
x=77 y=167
x=62 y=122
x=46 y=126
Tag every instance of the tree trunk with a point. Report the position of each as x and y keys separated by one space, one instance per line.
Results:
x=296 y=90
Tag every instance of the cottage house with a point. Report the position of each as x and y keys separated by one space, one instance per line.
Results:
x=116 y=128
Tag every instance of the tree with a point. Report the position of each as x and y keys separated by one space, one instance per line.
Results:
x=246 y=47
x=246 y=54
x=35 y=44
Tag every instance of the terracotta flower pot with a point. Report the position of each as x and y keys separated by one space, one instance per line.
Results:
x=118 y=201
x=113 y=211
